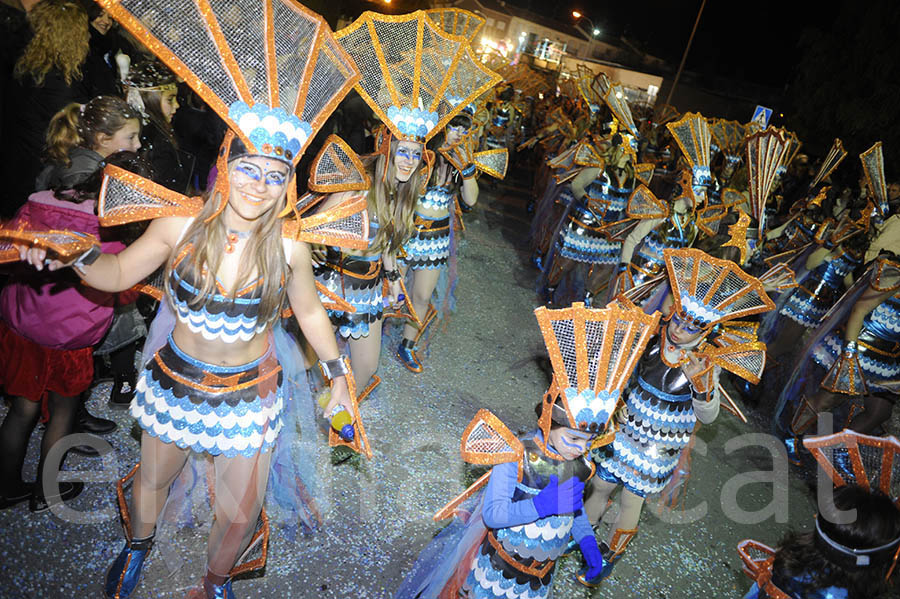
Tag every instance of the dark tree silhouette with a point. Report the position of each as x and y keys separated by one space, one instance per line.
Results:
x=847 y=82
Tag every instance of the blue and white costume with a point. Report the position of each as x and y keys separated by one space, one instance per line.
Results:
x=654 y=427
x=429 y=247
x=809 y=303
x=220 y=410
x=878 y=346
x=358 y=280
x=582 y=239
x=504 y=549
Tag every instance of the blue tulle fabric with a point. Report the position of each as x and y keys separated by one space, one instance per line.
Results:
x=439 y=561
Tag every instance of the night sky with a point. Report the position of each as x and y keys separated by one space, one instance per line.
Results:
x=752 y=41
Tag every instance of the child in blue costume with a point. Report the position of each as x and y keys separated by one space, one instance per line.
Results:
x=507 y=540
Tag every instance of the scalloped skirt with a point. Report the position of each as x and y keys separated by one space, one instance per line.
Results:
x=219 y=410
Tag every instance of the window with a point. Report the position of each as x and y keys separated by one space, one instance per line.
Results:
x=501 y=25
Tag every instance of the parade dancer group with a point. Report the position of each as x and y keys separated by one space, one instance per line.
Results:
x=670 y=249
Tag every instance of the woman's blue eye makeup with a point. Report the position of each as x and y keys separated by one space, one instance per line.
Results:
x=404 y=153
x=686 y=327
x=254 y=172
x=250 y=170
x=275 y=178
x=461 y=129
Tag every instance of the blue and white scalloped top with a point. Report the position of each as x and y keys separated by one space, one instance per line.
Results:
x=591 y=408
x=412 y=122
x=273 y=131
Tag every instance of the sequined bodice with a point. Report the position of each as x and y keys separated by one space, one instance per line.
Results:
x=221 y=317
x=660 y=380
x=437 y=197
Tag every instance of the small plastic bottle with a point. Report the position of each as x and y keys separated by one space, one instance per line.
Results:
x=340 y=418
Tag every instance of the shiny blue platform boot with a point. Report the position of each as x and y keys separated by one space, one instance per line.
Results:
x=124 y=574
x=406 y=353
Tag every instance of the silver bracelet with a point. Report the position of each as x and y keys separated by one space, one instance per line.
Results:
x=89 y=257
x=332 y=369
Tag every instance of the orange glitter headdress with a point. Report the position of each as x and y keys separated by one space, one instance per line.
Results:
x=834 y=157
x=457 y=21
x=767 y=154
x=415 y=77
x=593 y=353
x=707 y=291
x=271 y=69
x=873 y=165
x=691 y=133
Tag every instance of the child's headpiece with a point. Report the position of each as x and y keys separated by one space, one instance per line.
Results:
x=593 y=353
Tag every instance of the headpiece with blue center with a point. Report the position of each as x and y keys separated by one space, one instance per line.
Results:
x=707 y=291
x=593 y=353
x=691 y=133
x=415 y=76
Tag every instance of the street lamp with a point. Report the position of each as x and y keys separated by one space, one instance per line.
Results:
x=594 y=30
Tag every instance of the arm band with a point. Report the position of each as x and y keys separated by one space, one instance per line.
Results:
x=89 y=257
x=332 y=369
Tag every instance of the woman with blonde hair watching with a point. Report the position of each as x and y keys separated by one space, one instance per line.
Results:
x=47 y=77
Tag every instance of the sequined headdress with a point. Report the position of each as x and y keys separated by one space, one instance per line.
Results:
x=415 y=77
x=618 y=104
x=727 y=136
x=457 y=21
x=593 y=88
x=271 y=69
x=708 y=291
x=593 y=353
x=692 y=135
x=835 y=155
x=767 y=154
x=873 y=166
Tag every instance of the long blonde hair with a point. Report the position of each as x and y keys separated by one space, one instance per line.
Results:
x=394 y=205
x=61 y=41
x=263 y=255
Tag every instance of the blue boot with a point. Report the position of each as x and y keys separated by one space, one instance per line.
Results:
x=124 y=574
x=407 y=356
x=794 y=448
x=217 y=591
